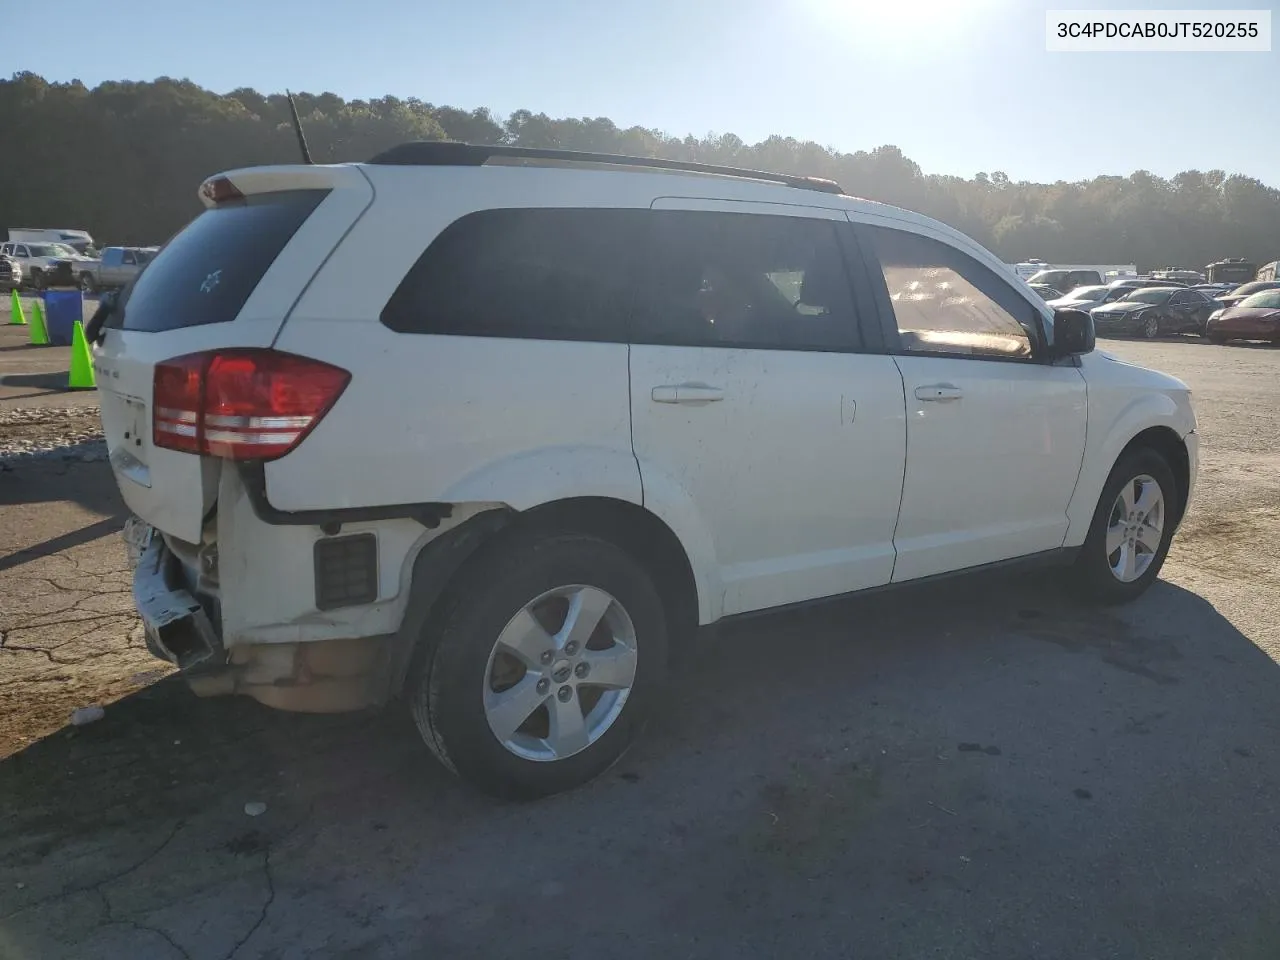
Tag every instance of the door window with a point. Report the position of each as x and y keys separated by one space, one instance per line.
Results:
x=945 y=302
x=745 y=280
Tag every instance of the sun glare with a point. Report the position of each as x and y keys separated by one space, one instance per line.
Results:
x=904 y=18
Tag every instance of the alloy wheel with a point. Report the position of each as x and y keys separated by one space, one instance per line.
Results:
x=1135 y=528
x=560 y=673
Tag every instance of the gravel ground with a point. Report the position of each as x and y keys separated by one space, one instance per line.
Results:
x=43 y=433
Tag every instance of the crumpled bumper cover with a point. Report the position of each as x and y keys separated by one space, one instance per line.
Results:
x=176 y=624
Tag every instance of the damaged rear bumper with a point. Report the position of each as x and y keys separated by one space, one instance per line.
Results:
x=176 y=625
x=320 y=676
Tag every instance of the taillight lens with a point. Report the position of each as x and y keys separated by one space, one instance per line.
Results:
x=220 y=190
x=241 y=404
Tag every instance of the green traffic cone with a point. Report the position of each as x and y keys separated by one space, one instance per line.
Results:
x=81 y=375
x=39 y=333
x=16 y=317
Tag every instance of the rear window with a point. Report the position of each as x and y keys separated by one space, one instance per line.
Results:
x=206 y=273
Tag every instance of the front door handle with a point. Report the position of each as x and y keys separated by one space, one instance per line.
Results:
x=695 y=393
x=939 y=393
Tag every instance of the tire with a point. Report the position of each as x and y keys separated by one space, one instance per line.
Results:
x=86 y=283
x=1095 y=576
x=455 y=695
x=1151 y=327
x=37 y=279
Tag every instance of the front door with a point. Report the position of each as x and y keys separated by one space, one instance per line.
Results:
x=995 y=436
x=753 y=407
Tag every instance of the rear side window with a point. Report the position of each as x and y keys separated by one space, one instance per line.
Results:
x=746 y=280
x=546 y=274
x=207 y=272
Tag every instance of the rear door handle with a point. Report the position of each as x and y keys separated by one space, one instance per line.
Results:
x=695 y=393
x=939 y=393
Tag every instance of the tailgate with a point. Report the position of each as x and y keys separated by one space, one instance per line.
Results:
x=229 y=279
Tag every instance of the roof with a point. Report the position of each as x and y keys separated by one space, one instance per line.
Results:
x=451 y=153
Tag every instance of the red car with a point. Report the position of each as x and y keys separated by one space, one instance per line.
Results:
x=1256 y=317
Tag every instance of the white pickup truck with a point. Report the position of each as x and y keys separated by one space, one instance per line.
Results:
x=36 y=259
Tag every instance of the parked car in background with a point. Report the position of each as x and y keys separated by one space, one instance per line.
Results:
x=1153 y=312
x=117 y=267
x=1046 y=292
x=77 y=240
x=1067 y=279
x=1237 y=294
x=10 y=274
x=37 y=258
x=530 y=550
x=1269 y=271
x=1086 y=298
x=1213 y=290
x=1256 y=317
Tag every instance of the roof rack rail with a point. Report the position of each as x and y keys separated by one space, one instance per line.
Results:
x=452 y=153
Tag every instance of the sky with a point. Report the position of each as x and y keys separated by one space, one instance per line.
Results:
x=960 y=86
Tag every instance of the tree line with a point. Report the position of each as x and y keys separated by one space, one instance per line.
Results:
x=123 y=160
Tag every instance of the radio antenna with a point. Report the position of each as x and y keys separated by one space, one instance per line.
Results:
x=297 y=126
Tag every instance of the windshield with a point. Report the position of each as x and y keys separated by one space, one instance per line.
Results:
x=1268 y=299
x=50 y=250
x=1151 y=295
x=1088 y=293
x=1249 y=288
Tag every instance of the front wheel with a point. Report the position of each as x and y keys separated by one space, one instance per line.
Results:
x=37 y=279
x=1131 y=529
x=545 y=663
x=86 y=283
x=1151 y=327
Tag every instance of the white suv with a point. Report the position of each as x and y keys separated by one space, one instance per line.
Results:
x=576 y=407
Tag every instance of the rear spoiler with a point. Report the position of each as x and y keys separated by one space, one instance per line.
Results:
x=238 y=184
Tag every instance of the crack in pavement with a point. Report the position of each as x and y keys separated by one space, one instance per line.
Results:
x=96 y=887
x=112 y=919
x=266 y=905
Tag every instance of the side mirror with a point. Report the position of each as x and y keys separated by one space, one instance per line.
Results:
x=1072 y=333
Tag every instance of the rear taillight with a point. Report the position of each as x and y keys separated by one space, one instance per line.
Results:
x=241 y=404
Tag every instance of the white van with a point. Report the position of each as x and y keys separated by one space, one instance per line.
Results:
x=78 y=240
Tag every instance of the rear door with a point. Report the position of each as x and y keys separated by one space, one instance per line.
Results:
x=757 y=404
x=229 y=279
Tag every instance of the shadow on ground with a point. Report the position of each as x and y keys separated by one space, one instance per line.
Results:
x=975 y=769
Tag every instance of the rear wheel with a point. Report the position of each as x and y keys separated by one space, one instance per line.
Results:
x=1131 y=530
x=547 y=659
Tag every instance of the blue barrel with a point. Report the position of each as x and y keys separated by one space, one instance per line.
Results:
x=62 y=308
